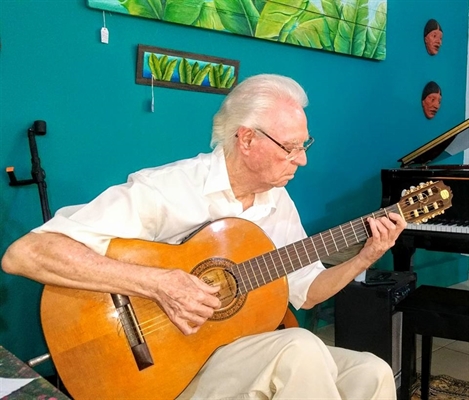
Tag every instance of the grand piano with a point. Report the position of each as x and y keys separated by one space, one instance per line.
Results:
x=448 y=232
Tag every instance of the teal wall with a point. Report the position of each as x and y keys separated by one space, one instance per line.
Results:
x=364 y=115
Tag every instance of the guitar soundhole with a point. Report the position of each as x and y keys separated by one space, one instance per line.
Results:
x=215 y=271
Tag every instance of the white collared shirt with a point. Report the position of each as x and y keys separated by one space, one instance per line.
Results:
x=168 y=203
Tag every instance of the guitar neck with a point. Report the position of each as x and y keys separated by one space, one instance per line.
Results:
x=277 y=263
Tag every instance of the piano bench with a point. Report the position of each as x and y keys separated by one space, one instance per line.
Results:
x=431 y=312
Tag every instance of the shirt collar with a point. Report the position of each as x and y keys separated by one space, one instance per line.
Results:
x=218 y=181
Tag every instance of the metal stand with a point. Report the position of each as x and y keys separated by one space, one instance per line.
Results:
x=37 y=173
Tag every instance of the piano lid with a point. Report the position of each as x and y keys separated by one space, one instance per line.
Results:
x=448 y=144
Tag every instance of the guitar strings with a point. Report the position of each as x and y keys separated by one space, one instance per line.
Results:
x=299 y=252
x=148 y=308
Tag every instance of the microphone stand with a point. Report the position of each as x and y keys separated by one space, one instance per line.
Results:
x=37 y=173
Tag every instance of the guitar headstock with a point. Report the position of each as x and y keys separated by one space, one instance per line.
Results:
x=425 y=201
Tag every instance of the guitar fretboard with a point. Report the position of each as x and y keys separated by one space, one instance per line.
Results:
x=277 y=263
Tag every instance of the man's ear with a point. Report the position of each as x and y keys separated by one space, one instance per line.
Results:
x=245 y=136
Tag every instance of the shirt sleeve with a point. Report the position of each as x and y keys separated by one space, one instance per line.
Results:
x=120 y=211
x=299 y=282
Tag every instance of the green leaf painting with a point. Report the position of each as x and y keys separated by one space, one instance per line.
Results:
x=162 y=68
x=182 y=70
x=353 y=27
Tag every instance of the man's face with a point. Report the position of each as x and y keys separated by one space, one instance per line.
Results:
x=433 y=41
x=431 y=104
x=287 y=124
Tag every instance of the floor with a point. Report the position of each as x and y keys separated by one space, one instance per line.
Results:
x=449 y=357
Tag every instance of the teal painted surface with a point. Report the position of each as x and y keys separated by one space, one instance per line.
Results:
x=364 y=115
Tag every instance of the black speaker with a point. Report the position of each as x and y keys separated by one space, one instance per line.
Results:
x=365 y=316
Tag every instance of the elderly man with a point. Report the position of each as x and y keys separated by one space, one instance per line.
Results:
x=260 y=138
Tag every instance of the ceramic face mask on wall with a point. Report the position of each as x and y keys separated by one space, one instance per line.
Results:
x=431 y=99
x=433 y=36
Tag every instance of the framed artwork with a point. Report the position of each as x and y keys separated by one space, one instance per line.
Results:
x=183 y=70
x=353 y=27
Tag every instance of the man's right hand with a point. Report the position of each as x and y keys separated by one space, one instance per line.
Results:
x=187 y=301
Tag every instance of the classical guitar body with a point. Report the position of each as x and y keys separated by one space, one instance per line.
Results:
x=89 y=345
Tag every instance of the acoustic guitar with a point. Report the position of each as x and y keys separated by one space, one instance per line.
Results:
x=109 y=346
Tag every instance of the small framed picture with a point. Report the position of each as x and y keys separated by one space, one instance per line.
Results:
x=187 y=71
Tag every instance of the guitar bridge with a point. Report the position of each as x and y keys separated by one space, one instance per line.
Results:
x=132 y=331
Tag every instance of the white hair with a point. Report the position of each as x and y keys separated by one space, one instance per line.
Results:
x=246 y=104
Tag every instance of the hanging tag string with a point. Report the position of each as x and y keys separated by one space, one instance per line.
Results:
x=152 y=95
x=104 y=31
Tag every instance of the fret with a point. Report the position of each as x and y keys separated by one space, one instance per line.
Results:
x=297 y=255
x=359 y=227
x=302 y=253
x=323 y=243
x=277 y=256
x=262 y=270
x=329 y=242
x=349 y=242
x=320 y=244
x=311 y=239
x=356 y=237
x=345 y=239
x=306 y=251
x=294 y=258
x=270 y=254
x=247 y=274
x=289 y=254
x=364 y=226
x=339 y=241
x=335 y=244
x=241 y=280
x=280 y=251
x=259 y=268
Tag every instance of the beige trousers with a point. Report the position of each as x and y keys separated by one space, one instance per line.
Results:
x=291 y=364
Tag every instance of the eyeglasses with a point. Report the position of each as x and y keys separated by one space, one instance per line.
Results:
x=293 y=152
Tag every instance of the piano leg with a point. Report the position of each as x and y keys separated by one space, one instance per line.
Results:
x=403 y=252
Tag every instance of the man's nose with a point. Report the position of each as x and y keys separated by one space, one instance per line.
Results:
x=302 y=159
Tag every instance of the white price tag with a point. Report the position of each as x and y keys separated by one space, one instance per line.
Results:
x=104 y=35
